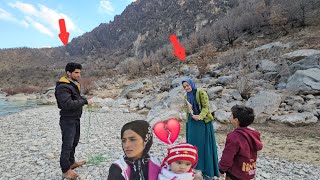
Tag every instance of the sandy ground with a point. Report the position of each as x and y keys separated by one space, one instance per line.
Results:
x=284 y=142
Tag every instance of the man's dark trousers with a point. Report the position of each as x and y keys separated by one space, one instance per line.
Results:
x=70 y=130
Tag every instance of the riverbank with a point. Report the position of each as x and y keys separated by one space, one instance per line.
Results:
x=14 y=106
x=31 y=140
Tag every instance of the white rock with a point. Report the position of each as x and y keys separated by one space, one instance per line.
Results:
x=50 y=156
x=222 y=116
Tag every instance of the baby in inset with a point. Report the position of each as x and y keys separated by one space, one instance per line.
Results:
x=179 y=163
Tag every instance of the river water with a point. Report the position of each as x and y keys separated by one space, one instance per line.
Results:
x=8 y=107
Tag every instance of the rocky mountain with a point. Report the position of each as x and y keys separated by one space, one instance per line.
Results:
x=145 y=25
x=137 y=41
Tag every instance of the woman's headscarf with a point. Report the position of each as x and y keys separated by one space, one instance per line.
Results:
x=140 y=166
x=191 y=96
x=191 y=83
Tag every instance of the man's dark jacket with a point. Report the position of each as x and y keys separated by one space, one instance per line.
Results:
x=69 y=99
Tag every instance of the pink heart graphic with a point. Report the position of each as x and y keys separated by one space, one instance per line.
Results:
x=167 y=131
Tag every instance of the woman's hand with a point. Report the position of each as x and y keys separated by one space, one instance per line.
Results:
x=197 y=117
x=198 y=175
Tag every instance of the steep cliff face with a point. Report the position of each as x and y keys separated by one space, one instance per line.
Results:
x=147 y=24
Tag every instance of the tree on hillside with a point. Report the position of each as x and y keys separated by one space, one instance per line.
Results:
x=203 y=60
x=191 y=44
x=155 y=68
x=227 y=29
x=297 y=11
x=134 y=67
x=278 y=19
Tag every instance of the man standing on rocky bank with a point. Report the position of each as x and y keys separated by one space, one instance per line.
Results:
x=70 y=103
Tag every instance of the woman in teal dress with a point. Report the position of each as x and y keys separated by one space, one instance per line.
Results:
x=199 y=128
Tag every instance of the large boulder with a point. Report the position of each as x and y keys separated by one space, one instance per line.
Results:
x=107 y=102
x=213 y=91
x=269 y=76
x=209 y=81
x=154 y=99
x=150 y=101
x=224 y=80
x=134 y=103
x=191 y=71
x=48 y=97
x=296 y=119
x=221 y=104
x=222 y=116
x=213 y=107
x=119 y=103
x=291 y=100
x=306 y=63
x=233 y=93
x=213 y=70
x=305 y=82
x=271 y=46
x=169 y=106
x=267 y=66
x=264 y=104
x=135 y=95
x=134 y=87
x=300 y=54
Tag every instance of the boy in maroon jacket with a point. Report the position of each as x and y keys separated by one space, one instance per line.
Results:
x=239 y=156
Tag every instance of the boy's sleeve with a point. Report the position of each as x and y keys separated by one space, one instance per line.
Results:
x=230 y=150
x=204 y=103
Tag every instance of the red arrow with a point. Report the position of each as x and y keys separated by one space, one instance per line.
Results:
x=179 y=51
x=64 y=35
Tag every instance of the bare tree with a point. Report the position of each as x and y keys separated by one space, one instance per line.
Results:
x=87 y=85
x=245 y=87
x=202 y=64
x=134 y=67
x=146 y=61
x=230 y=30
x=278 y=19
x=155 y=68
x=297 y=11
x=191 y=44
x=218 y=39
x=204 y=58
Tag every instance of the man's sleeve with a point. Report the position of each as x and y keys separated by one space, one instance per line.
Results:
x=85 y=100
x=63 y=95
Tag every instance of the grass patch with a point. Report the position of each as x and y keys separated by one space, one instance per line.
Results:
x=96 y=159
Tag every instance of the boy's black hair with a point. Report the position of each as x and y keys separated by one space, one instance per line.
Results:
x=244 y=114
x=73 y=66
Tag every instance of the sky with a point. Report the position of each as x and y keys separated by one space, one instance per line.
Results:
x=35 y=23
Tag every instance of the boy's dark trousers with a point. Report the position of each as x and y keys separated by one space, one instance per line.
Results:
x=70 y=130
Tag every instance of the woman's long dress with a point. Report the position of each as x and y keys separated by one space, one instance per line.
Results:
x=201 y=135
